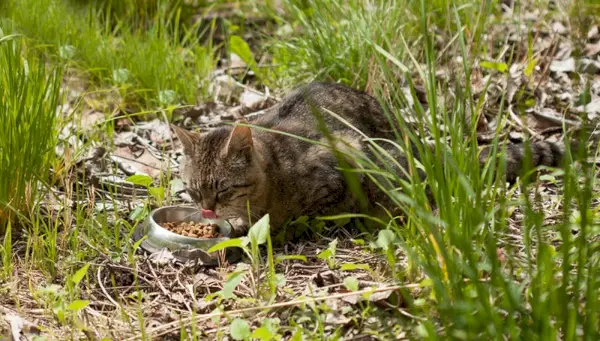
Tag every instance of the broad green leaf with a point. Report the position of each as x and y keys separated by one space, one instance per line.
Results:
x=547 y=177
x=238 y=46
x=176 y=185
x=140 y=179
x=120 y=76
x=157 y=192
x=530 y=103
x=166 y=97
x=422 y=331
x=236 y=242
x=325 y=254
x=232 y=283
x=385 y=238
x=359 y=242
x=268 y=330
x=66 y=51
x=59 y=311
x=329 y=254
x=263 y=334
x=78 y=276
x=333 y=246
x=419 y=302
x=240 y=330
x=486 y=64
x=342 y=222
x=78 y=305
x=352 y=266
x=297 y=335
x=280 y=280
x=351 y=283
x=317 y=224
x=271 y=324
x=137 y=244
x=301 y=220
x=138 y=213
x=426 y=283
x=245 y=240
x=258 y=232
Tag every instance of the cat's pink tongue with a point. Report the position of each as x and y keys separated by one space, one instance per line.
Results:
x=208 y=214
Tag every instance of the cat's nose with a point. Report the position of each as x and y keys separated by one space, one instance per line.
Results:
x=209 y=205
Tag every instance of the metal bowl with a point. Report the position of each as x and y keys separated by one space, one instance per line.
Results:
x=182 y=247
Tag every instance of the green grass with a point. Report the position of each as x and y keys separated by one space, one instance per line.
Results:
x=29 y=96
x=153 y=61
x=471 y=294
x=545 y=291
x=341 y=41
x=465 y=268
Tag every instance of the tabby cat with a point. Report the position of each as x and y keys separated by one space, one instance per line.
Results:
x=227 y=168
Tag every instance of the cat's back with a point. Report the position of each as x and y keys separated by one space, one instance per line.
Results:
x=298 y=109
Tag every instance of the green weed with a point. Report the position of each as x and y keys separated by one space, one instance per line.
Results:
x=259 y=234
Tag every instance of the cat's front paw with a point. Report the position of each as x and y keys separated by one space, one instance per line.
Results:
x=239 y=227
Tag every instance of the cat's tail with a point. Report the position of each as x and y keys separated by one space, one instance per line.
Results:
x=542 y=154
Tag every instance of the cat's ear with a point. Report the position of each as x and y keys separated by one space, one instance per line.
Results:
x=188 y=138
x=240 y=140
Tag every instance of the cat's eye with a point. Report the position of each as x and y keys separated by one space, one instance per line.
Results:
x=242 y=186
x=223 y=193
x=195 y=195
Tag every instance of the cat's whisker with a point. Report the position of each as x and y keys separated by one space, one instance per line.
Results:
x=253 y=213
x=191 y=214
x=253 y=209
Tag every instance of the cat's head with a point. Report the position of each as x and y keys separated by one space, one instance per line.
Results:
x=222 y=170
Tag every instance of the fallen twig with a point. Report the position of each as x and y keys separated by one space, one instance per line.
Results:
x=521 y=125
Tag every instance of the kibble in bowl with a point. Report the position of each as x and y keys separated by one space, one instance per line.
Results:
x=186 y=234
x=194 y=229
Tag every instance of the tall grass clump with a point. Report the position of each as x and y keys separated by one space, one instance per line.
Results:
x=29 y=95
x=333 y=40
x=338 y=40
x=152 y=59
x=484 y=272
x=481 y=279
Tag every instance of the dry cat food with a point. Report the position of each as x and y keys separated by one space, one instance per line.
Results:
x=194 y=229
